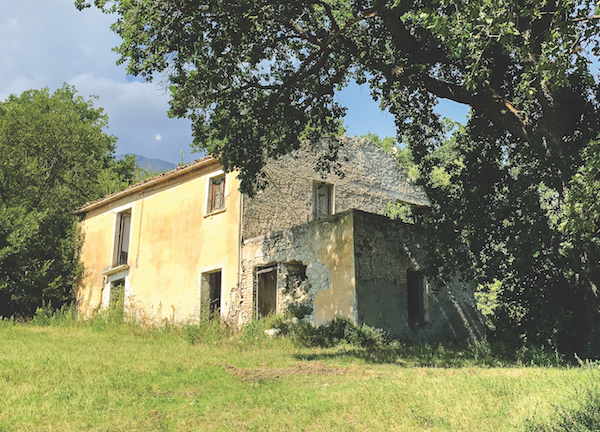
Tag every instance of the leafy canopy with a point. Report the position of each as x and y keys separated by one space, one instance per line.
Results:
x=254 y=75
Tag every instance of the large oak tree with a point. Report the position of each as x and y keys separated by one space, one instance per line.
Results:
x=256 y=76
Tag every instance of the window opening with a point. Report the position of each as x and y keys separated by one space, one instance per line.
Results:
x=323 y=199
x=122 y=244
x=415 y=291
x=211 y=292
x=265 y=297
x=216 y=194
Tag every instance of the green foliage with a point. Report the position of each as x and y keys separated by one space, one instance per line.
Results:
x=255 y=331
x=208 y=331
x=400 y=211
x=584 y=417
x=389 y=144
x=487 y=221
x=255 y=76
x=54 y=152
x=118 y=175
x=46 y=315
x=486 y=297
x=336 y=332
x=581 y=220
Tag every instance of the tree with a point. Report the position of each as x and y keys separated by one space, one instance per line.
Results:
x=256 y=75
x=53 y=150
x=253 y=75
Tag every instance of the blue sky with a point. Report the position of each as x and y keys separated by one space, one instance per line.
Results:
x=44 y=43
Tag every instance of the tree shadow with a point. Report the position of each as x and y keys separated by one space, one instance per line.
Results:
x=414 y=355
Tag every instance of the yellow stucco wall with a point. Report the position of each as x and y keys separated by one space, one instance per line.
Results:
x=336 y=252
x=172 y=241
x=326 y=247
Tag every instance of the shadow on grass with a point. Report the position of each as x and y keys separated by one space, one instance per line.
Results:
x=405 y=355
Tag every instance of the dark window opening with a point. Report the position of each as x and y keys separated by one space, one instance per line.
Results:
x=265 y=297
x=123 y=231
x=211 y=293
x=296 y=271
x=323 y=200
x=415 y=290
x=216 y=194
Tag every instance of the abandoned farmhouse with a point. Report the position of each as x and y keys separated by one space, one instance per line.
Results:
x=187 y=243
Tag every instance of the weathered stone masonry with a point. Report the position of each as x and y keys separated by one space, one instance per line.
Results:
x=368 y=179
x=385 y=251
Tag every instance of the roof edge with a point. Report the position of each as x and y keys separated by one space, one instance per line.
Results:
x=148 y=183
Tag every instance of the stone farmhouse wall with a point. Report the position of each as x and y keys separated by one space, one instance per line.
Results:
x=367 y=178
x=354 y=265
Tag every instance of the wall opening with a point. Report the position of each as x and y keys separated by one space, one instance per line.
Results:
x=265 y=293
x=322 y=200
x=122 y=238
x=117 y=297
x=216 y=194
x=416 y=295
x=210 y=293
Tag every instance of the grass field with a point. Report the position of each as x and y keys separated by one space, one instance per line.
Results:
x=96 y=377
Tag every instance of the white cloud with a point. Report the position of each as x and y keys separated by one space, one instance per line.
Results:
x=44 y=43
x=158 y=137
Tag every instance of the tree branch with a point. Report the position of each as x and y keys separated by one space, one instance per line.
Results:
x=586 y=19
x=406 y=43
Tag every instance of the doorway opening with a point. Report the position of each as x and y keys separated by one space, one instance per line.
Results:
x=211 y=293
x=416 y=296
x=265 y=296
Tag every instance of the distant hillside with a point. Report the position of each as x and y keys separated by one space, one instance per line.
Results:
x=151 y=164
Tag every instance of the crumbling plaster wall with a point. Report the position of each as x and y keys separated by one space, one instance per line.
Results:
x=371 y=179
x=325 y=247
x=384 y=251
x=356 y=268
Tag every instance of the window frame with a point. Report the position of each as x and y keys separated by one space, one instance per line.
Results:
x=210 y=209
x=120 y=238
x=331 y=204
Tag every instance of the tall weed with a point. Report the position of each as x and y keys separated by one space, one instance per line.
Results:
x=584 y=417
x=45 y=316
x=210 y=330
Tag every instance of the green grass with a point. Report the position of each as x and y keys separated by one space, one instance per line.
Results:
x=98 y=376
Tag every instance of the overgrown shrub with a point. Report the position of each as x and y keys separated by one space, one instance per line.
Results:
x=338 y=331
x=255 y=330
x=583 y=418
x=47 y=315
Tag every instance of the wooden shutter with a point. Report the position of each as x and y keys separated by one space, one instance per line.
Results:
x=217 y=193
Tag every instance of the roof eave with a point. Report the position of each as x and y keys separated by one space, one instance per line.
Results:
x=149 y=183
